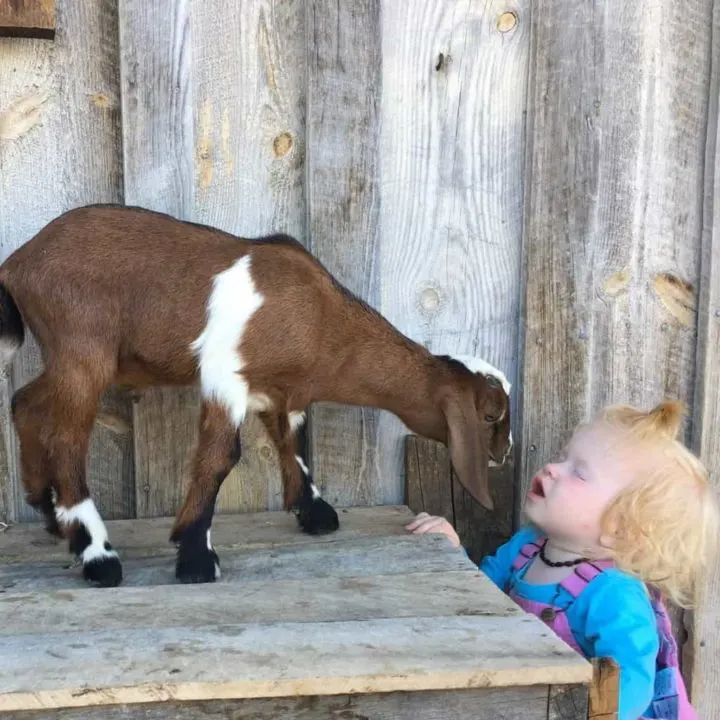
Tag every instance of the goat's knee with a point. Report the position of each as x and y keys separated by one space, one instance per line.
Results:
x=217 y=453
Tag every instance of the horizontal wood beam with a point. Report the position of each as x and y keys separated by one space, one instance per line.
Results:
x=27 y=18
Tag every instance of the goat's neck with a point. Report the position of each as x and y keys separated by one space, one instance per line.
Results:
x=400 y=377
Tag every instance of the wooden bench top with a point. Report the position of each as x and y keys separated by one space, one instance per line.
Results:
x=369 y=609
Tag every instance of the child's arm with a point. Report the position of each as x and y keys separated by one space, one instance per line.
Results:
x=621 y=625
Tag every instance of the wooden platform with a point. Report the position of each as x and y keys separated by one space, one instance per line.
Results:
x=371 y=622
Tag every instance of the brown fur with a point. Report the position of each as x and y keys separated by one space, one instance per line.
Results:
x=117 y=295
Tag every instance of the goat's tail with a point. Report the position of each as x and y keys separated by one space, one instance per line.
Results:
x=12 y=329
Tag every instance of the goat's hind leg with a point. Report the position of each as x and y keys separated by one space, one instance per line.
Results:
x=54 y=417
x=217 y=453
x=35 y=467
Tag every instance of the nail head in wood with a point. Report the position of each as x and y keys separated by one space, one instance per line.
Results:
x=507 y=22
x=27 y=19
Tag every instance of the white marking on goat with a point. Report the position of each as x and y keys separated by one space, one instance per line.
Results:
x=87 y=515
x=210 y=547
x=232 y=302
x=313 y=488
x=478 y=365
x=297 y=420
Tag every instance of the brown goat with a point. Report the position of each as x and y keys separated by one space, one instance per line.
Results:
x=126 y=296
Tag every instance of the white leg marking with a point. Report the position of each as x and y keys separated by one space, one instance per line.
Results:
x=232 y=302
x=313 y=488
x=87 y=514
x=210 y=547
x=296 y=420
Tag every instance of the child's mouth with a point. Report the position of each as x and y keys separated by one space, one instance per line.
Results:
x=536 y=488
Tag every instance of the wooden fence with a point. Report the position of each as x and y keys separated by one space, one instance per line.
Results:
x=529 y=182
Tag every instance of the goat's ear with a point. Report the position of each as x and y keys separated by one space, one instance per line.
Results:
x=468 y=446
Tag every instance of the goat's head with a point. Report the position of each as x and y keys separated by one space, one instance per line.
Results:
x=477 y=412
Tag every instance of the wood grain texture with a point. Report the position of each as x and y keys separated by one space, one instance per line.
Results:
x=328 y=658
x=568 y=702
x=522 y=703
x=701 y=659
x=27 y=18
x=249 y=113
x=605 y=690
x=428 y=478
x=59 y=112
x=336 y=599
x=343 y=195
x=158 y=160
x=452 y=150
x=358 y=559
x=612 y=238
x=263 y=530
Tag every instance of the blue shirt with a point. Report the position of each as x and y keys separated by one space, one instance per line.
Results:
x=612 y=617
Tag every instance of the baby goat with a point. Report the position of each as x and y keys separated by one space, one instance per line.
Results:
x=120 y=295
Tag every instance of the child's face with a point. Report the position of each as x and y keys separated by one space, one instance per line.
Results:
x=567 y=498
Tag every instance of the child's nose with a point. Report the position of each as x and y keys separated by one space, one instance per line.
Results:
x=552 y=469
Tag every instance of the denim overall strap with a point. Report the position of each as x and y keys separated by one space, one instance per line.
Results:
x=670 y=700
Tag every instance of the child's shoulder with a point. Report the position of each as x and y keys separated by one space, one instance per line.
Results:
x=615 y=591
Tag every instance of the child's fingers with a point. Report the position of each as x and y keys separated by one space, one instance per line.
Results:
x=419 y=518
x=431 y=523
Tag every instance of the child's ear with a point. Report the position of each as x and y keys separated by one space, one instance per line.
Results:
x=607 y=541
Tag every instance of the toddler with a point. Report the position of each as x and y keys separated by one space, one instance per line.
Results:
x=622 y=521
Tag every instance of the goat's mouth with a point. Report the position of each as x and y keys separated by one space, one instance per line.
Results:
x=536 y=487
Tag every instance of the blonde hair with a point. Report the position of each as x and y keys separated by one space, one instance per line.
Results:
x=663 y=528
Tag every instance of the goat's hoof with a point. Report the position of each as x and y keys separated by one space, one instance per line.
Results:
x=196 y=564
x=318 y=517
x=105 y=571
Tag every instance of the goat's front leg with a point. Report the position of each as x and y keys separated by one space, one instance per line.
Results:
x=217 y=453
x=315 y=516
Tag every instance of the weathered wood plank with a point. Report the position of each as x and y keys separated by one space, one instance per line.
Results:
x=249 y=108
x=158 y=160
x=528 y=703
x=343 y=195
x=356 y=558
x=336 y=599
x=59 y=111
x=139 y=538
x=612 y=240
x=604 y=690
x=428 y=478
x=568 y=702
x=452 y=148
x=405 y=654
x=27 y=18
x=701 y=657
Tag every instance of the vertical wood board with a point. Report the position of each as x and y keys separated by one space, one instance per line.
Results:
x=343 y=196
x=60 y=148
x=158 y=159
x=452 y=154
x=701 y=659
x=616 y=114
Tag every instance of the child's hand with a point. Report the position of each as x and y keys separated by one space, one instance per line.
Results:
x=432 y=523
